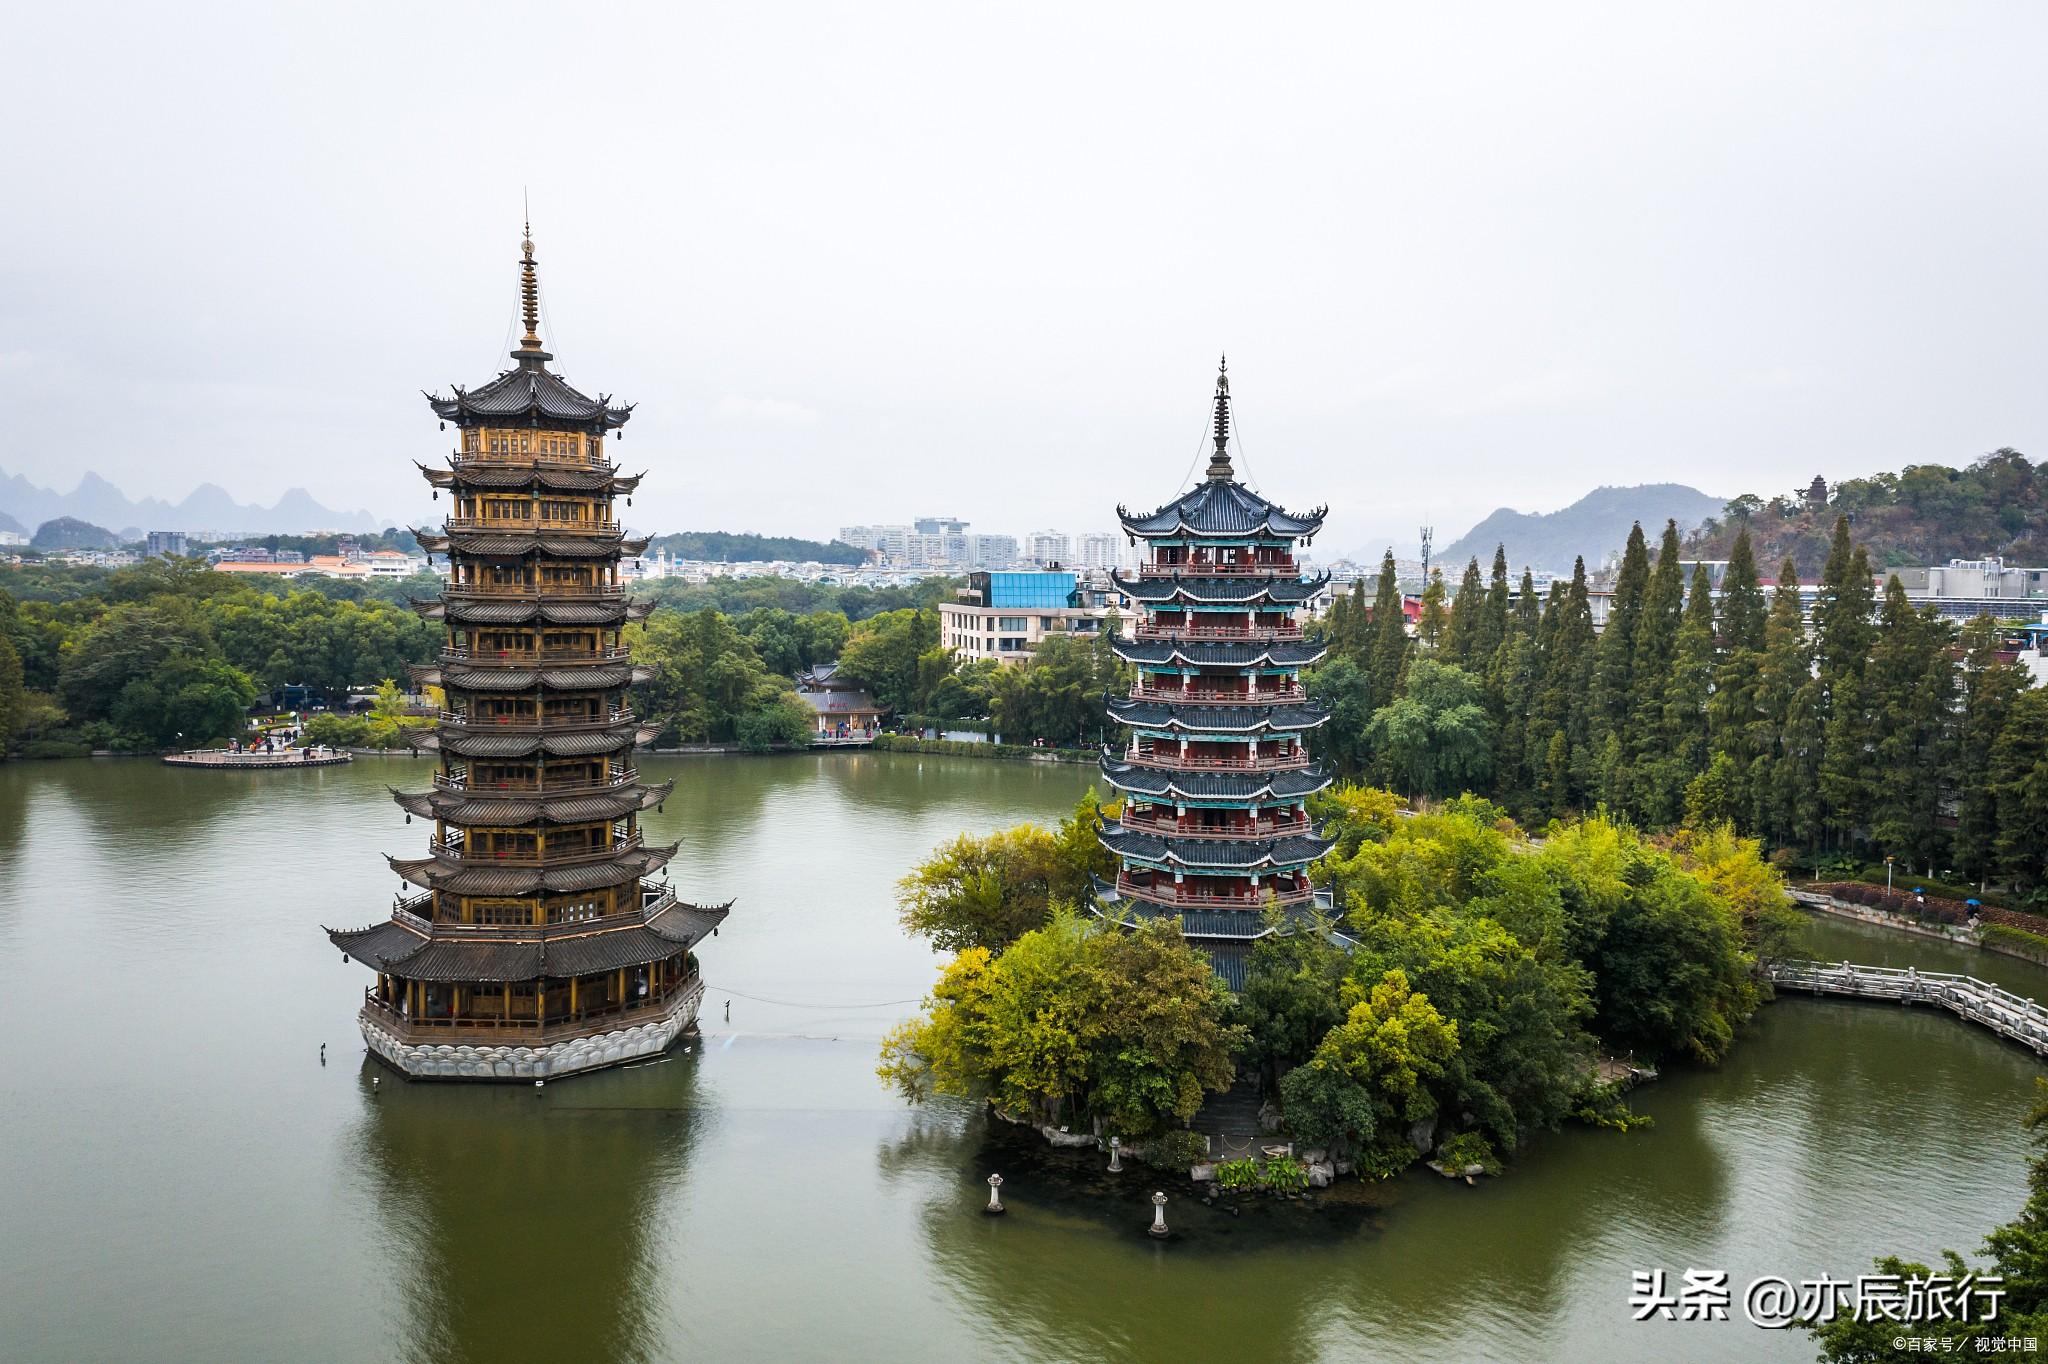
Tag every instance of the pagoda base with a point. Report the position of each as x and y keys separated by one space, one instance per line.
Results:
x=538 y=1059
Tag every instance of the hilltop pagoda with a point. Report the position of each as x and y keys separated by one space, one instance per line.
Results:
x=539 y=944
x=1214 y=776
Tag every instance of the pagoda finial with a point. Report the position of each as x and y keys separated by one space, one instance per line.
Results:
x=1219 y=463
x=529 y=303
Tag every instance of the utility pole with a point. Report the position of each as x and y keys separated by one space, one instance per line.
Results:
x=1428 y=534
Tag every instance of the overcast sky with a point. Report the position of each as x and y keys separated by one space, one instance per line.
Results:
x=862 y=262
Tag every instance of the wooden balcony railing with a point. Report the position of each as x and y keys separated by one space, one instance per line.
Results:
x=553 y=857
x=1167 y=893
x=1283 y=569
x=561 y=1023
x=1253 y=633
x=485 y=722
x=463 y=655
x=1171 y=828
x=1178 y=696
x=535 y=589
x=417 y=912
x=458 y=781
x=531 y=523
x=528 y=457
x=1169 y=757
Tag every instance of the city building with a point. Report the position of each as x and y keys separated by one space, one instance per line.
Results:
x=1005 y=616
x=993 y=551
x=539 y=945
x=1096 y=549
x=1214 y=776
x=1963 y=589
x=1049 y=548
x=166 y=544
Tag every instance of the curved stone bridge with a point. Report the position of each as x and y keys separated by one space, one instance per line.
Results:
x=1967 y=997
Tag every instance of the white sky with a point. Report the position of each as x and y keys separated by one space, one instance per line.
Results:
x=863 y=262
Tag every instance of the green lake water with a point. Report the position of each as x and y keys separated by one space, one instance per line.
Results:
x=181 y=1179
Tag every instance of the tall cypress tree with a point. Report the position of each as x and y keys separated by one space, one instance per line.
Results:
x=1615 y=671
x=1742 y=599
x=1568 y=761
x=2019 y=774
x=1389 y=637
x=1650 y=672
x=1990 y=686
x=1679 y=751
x=1911 y=689
x=1497 y=595
x=1435 y=621
x=1462 y=638
x=1782 y=738
x=1843 y=636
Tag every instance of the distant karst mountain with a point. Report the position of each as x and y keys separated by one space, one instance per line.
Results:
x=68 y=532
x=1594 y=526
x=207 y=507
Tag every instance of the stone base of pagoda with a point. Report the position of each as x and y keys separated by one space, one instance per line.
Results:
x=536 y=1058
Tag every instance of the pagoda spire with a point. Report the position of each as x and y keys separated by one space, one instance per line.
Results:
x=530 y=353
x=1219 y=463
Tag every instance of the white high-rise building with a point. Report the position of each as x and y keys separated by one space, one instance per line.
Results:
x=1097 y=549
x=1048 y=547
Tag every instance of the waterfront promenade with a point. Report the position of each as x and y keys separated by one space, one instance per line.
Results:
x=290 y=757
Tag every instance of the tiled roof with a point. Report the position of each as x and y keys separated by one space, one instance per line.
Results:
x=1296 y=850
x=499 y=811
x=398 y=949
x=491 y=474
x=1284 y=653
x=471 y=878
x=1281 y=591
x=1217 y=719
x=1290 y=784
x=1222 y=507
x=533 y=392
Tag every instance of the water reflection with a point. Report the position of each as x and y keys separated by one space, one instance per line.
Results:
x=523 y=1223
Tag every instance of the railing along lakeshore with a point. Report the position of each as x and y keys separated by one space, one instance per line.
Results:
x=1974 y=1000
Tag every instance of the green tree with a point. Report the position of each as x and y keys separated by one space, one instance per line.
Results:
x=1989 y=686
x=1743 y=608
x=1389 y=636
x=1371 y=1077
x=982 y=892
x=1291 y=997
x=1911 y=686
x=1435 y=621
x=2019 y=776
x=1436 y=736
x=1465 y=635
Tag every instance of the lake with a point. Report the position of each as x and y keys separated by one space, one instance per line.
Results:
x=181 y=1177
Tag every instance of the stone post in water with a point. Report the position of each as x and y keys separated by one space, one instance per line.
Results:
x=995 y=1203
x=1158 y=1227
x=1116 y=1157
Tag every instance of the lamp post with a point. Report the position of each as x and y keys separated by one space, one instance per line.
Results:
x=995 y=1203
x=1887 y=875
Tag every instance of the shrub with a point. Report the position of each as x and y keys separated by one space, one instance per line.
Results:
x=1284 y=1174
x=1238 y=1175
x=1604 y=1106
x=1465 y=1150
x=1180 y=1148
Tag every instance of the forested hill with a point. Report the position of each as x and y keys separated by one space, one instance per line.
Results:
x=727 y=548
x=1592 y=527
x=1925 y=514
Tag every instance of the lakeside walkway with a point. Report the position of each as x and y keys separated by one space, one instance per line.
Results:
x=1973 y=1000
x=220 y=758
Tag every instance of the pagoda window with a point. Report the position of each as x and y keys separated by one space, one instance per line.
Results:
x=502 y=913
